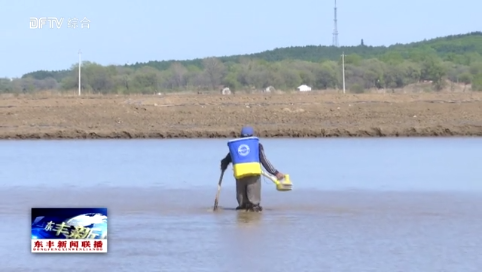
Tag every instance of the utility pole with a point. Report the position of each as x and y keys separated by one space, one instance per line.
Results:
x=79 y=71
x=343 y=69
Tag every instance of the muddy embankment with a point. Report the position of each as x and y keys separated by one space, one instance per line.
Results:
x=211 y=116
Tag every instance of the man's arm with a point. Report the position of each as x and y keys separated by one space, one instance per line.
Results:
x=265 y=162
x=226 y=161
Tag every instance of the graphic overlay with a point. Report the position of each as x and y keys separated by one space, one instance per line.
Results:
x=69 y=230
x=58 y=22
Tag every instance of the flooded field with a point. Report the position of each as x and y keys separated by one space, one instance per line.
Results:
x=357 y=205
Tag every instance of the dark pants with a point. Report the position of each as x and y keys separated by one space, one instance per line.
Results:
x=248 y=192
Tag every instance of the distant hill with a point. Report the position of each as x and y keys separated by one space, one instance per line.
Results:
x=443 y=47
x=42 y=74
x=454 y=44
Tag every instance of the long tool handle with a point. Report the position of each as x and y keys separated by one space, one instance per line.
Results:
x=271 y=177
x=219 y=191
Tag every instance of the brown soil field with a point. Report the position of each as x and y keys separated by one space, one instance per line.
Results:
x=310 y=114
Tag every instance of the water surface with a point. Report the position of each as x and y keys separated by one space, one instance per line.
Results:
x=357 y=205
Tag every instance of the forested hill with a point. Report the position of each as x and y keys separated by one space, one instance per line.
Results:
x=443 y=47
x=454 y=48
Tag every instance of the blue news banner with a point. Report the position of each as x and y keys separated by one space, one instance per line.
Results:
x=69 y=230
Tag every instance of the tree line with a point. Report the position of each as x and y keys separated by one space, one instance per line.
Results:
x=455 y=59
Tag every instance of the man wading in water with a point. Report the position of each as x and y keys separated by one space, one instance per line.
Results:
x=248 y=178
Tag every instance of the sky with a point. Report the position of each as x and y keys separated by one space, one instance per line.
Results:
x=123 y=32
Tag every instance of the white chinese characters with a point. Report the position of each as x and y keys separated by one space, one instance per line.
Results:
x=58 y=22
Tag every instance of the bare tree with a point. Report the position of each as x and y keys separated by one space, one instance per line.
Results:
x=178 y=74
x=214 y=69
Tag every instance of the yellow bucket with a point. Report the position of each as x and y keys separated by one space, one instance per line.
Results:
x=281 y=185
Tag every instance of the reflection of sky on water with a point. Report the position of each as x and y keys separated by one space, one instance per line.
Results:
x=413 y=201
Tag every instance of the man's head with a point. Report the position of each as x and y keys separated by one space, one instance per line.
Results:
x=247 y=131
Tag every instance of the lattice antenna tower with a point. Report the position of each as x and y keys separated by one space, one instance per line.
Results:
x=335 y=29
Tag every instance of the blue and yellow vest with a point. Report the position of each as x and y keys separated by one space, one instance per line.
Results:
x=245 y=157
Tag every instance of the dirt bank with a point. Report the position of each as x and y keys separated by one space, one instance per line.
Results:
x=210 y=116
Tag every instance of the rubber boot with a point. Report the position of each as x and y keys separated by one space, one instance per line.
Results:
x=255 y=208
x=242 y=207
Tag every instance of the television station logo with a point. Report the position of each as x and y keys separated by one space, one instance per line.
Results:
x=69 y=230
x=58 y=22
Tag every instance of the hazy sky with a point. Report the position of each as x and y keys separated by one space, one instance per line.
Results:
x=138 y=31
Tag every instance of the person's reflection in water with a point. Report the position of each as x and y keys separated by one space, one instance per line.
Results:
x=248 y=218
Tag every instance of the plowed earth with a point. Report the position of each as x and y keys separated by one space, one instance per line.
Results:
x=212 y=116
